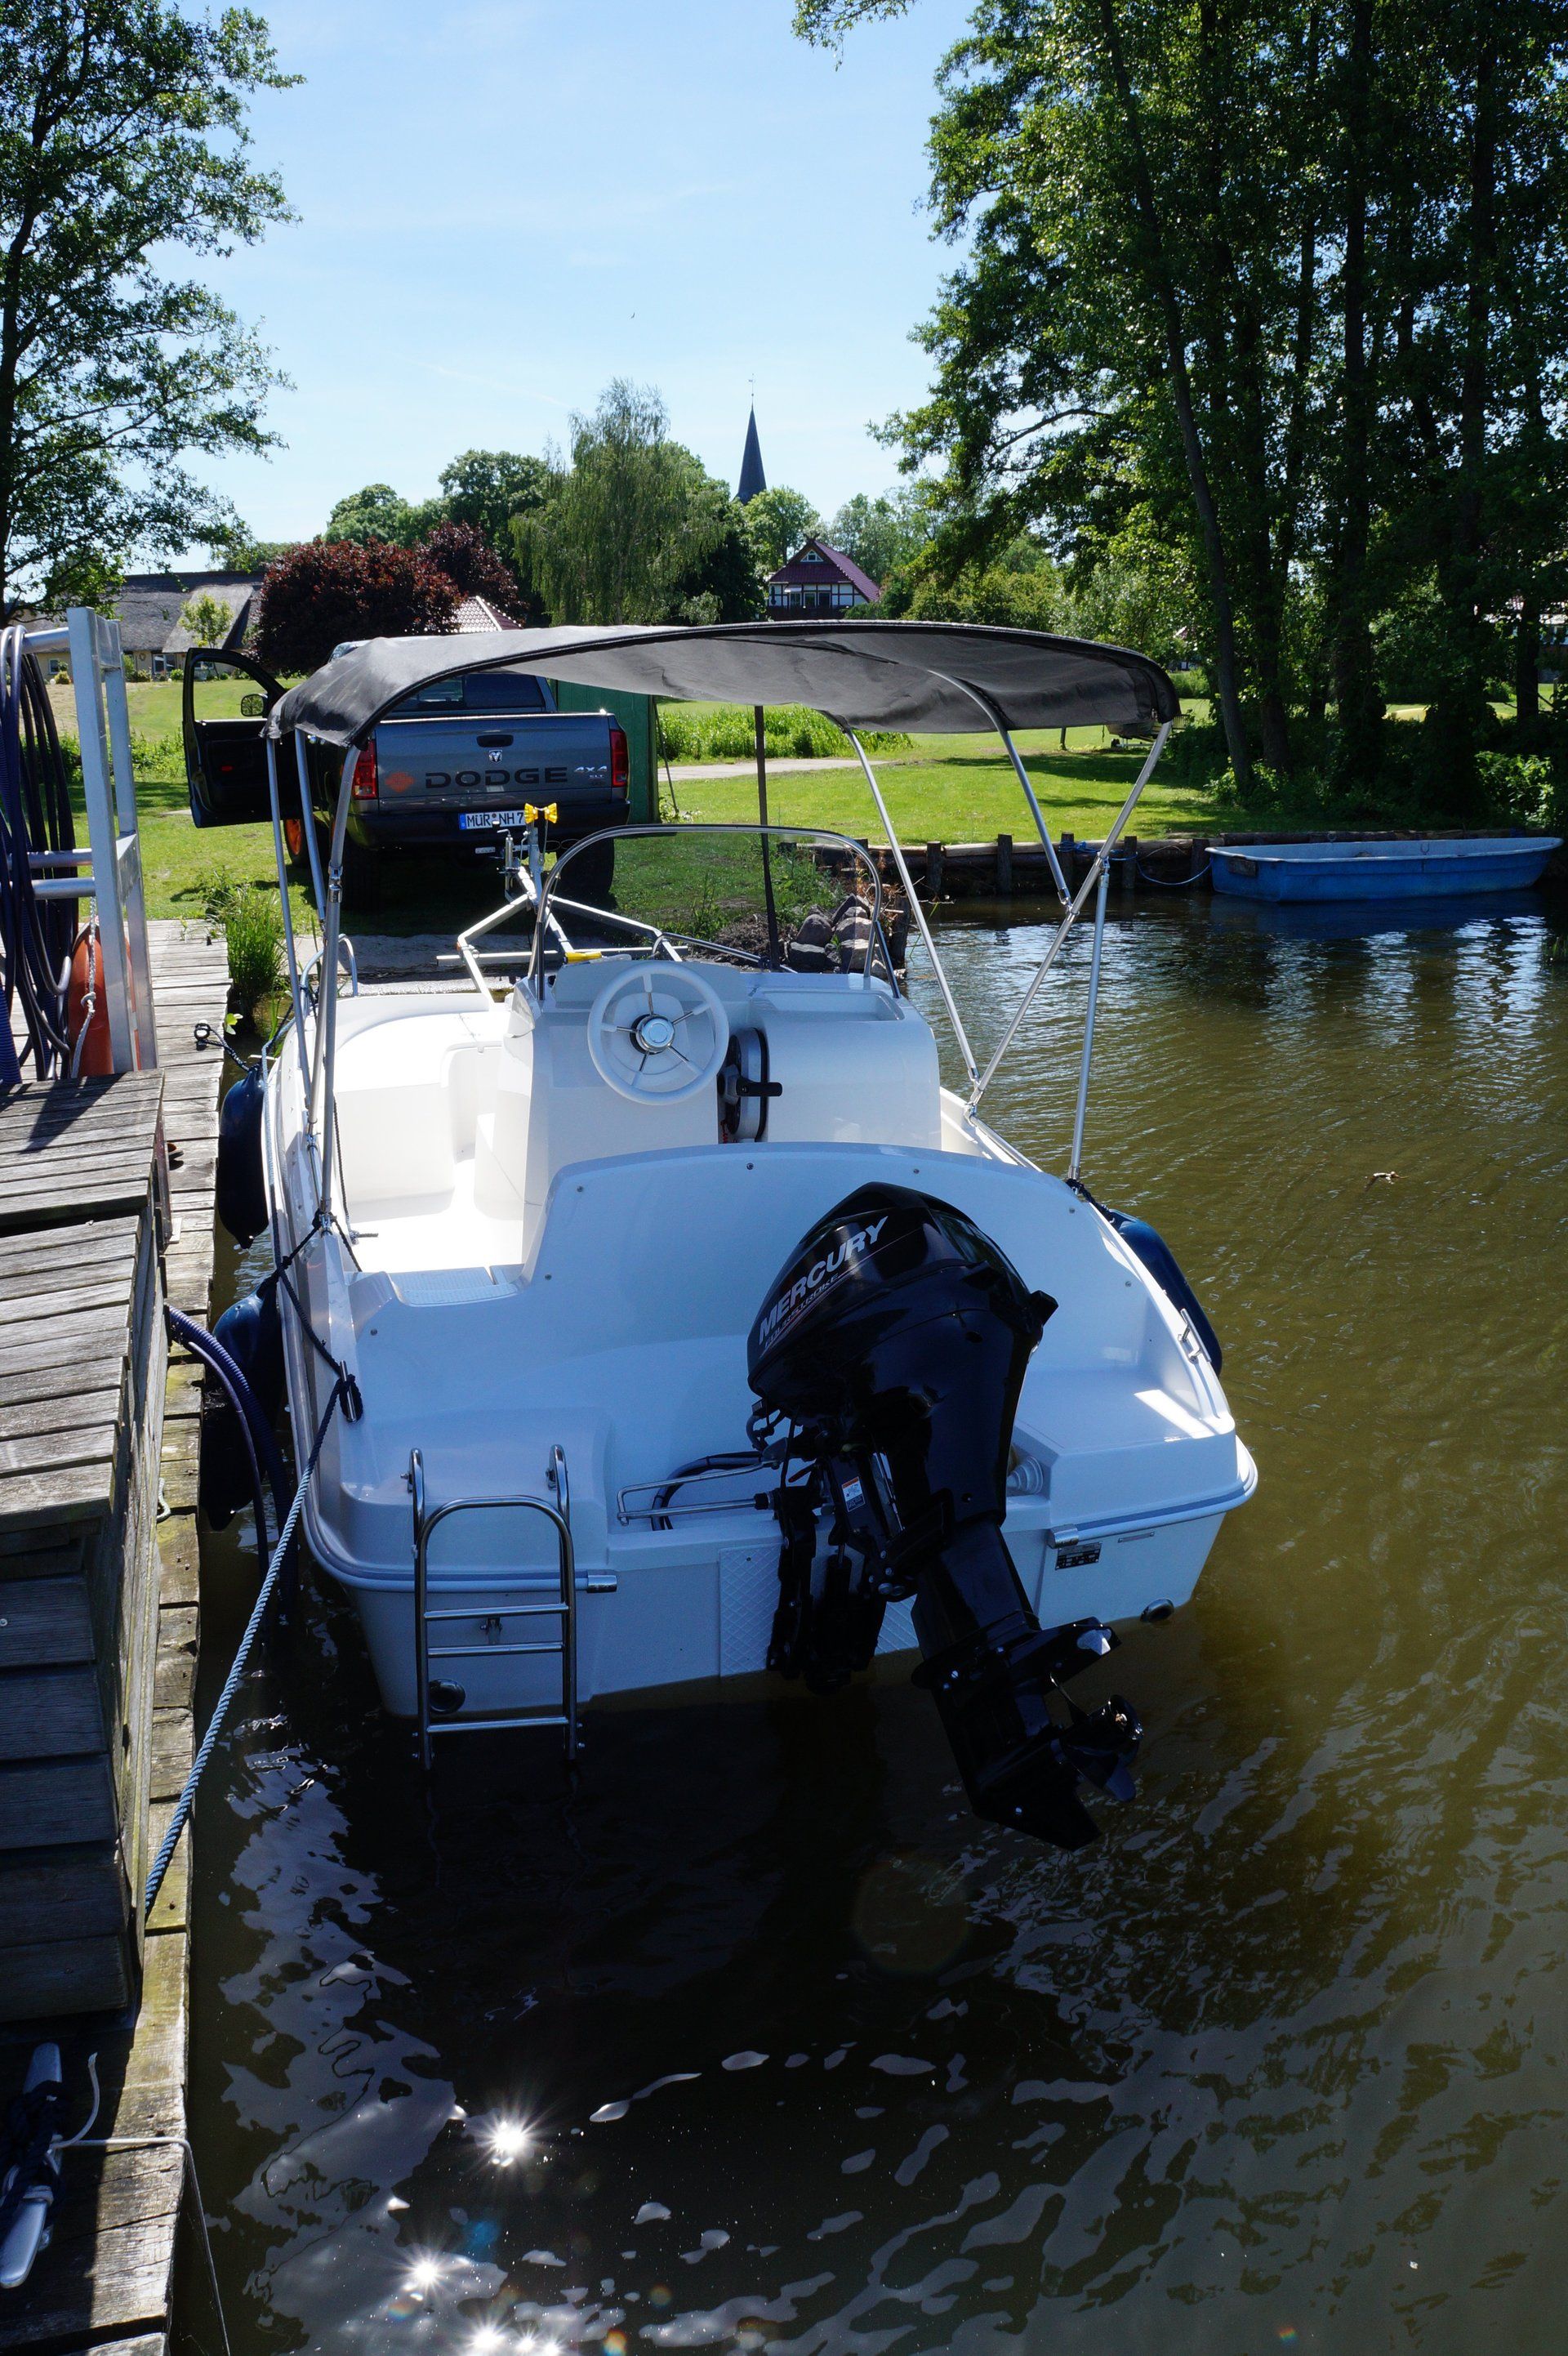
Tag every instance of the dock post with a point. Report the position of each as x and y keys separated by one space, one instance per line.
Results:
x=934 y=871
x=1129 y=876
x=1004 y=866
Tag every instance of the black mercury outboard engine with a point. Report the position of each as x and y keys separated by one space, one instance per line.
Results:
x=895 y=1341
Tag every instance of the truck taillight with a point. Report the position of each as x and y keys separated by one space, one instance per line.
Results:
x=620 y=763
x=366 y=784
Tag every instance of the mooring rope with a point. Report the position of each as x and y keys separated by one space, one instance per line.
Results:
x=231 y=1683
x=1168 y=883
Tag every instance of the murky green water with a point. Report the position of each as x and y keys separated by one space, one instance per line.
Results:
x=1279 y=2062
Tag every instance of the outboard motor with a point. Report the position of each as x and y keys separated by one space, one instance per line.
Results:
x=895 y=1341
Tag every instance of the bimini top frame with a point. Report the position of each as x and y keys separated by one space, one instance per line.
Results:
x=934 y=677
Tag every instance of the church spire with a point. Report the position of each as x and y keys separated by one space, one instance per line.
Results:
x=753 y=478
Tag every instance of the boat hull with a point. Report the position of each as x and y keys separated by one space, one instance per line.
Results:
x=707 y=1619
x=612 y=1339
x=1378 y=870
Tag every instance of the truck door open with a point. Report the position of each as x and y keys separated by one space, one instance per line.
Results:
x=223 y=714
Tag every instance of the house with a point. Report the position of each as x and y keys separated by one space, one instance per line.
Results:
x=819 y=580
x=483 y=613
x=148 y=611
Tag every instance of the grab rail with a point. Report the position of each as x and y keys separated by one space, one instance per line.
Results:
x=563 y=1610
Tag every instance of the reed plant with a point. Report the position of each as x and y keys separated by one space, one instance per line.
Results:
x=791 y=731
x=252 y=921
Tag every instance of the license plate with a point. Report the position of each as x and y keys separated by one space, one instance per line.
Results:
x=472 y=821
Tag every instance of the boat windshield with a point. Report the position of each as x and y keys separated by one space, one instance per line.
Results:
x=781 y=897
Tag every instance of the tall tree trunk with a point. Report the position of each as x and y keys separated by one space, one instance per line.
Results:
x=1157 y=271
x=1526 y=666
x=1360 y=705
x=1527 y=636
x=1458 y=717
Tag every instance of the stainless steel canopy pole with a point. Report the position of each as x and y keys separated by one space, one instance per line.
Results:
x=1089 y=1020
x=291 y=955
x=915 y=909
x=326 y=1006
x=307 y=820
x=994 y=713
x=1057 y=938
x=759 y=719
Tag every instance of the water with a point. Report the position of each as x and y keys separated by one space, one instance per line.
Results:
x=1279 y=2062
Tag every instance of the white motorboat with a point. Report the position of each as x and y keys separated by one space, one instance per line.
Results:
x=681 y=1323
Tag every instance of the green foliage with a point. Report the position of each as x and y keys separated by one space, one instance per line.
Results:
x=327 y=591
x=487 y=488
x=1526 y=789
x=252 y=921
x=634 y=528
x=378 y=512
x=83 y=576
x=778 y=520
x=206 y=619
x=882 y=534
x=1265 y=309
x=122 y=141
x=791 y=731
x=238 y=550
x=1018 y=595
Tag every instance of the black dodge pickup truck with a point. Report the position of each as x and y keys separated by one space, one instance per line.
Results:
x=448 y=771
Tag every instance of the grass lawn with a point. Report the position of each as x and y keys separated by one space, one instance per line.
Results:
x=959 y=790
x=944 y=788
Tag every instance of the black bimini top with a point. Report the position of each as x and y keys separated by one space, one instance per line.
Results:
x=944 y=676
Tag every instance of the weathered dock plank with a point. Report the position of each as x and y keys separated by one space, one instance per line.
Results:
x=90 y=1245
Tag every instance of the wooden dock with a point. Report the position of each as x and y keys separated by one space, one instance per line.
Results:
x=1018 y=867
x=106 y=1212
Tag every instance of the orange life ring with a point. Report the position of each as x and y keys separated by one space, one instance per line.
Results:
x=96 y=1060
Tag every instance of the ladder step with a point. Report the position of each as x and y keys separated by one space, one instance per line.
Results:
x=561 y=1607
x=489 y=1652
x=494 y=1725
x=502 y=1611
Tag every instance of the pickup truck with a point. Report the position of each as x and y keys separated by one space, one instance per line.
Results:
x=448 y=771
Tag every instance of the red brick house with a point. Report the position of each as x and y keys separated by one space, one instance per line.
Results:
x=819 y=580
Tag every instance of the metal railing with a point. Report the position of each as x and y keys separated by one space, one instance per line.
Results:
x=109 y=871
x=563 y=1607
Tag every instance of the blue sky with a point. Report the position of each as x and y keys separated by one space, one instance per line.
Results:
x=501 y=206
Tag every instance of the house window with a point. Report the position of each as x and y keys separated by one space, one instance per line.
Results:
x=810 y=556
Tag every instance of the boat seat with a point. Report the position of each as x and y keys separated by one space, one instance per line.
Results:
x=407 y=1095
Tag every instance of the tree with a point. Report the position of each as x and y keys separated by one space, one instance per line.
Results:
x=726 y=583
x=881 y=534
x=237 y=549
x=123 y=144
x=207 y=619
x=325 y=591
x=461 y=551
x=1274 y=292
x=487 y=488
x=779 y=519
x=378 y=512
x=631 y=519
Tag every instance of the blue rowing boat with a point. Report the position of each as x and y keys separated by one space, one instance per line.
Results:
x=1411 y=870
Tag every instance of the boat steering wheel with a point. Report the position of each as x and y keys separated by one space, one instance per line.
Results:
x=657 y=1034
